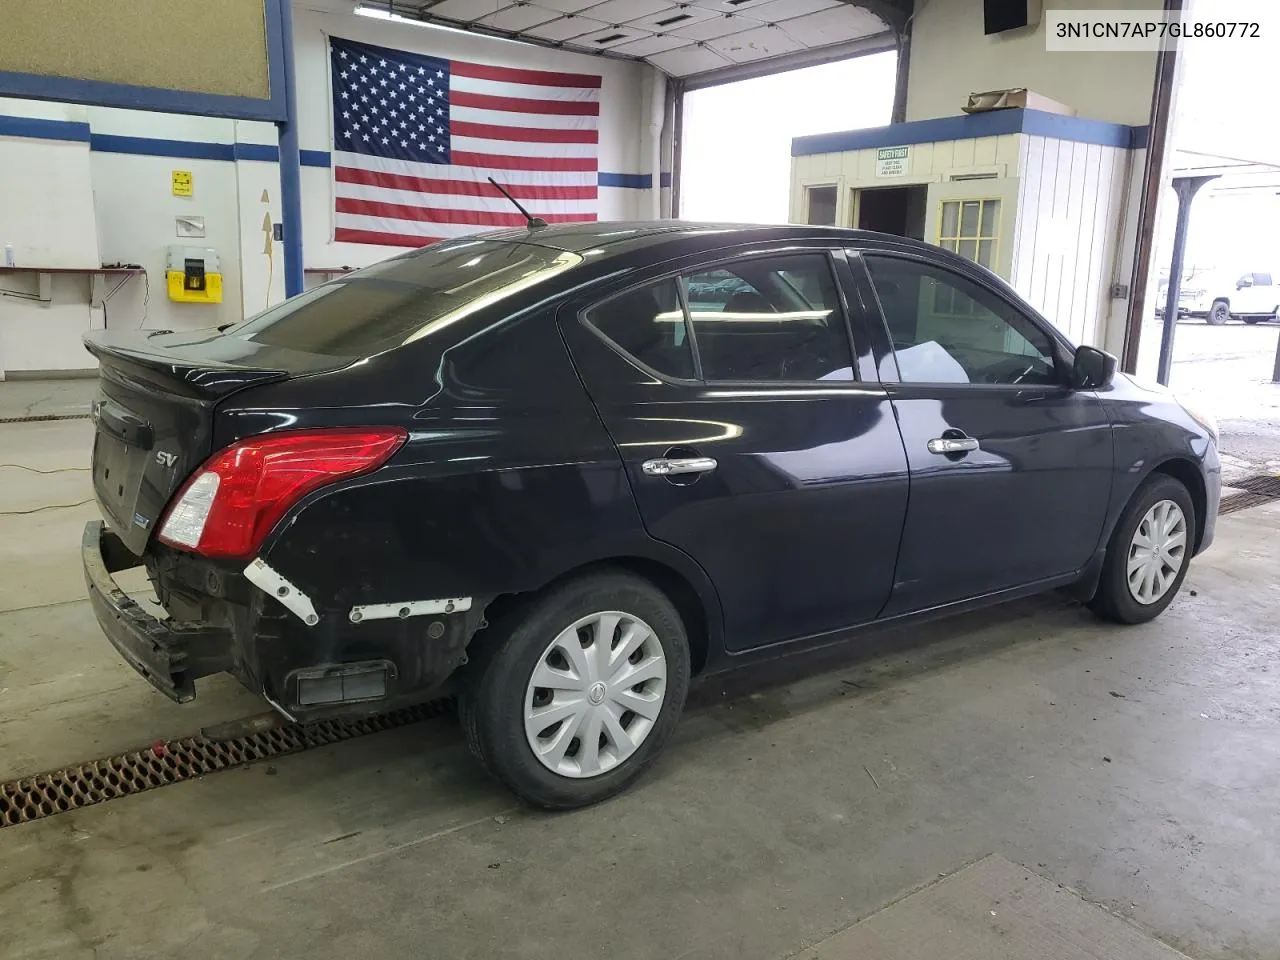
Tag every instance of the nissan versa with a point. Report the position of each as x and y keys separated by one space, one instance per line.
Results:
x=560 y=471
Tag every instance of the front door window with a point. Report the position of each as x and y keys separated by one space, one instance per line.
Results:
x=947 y=329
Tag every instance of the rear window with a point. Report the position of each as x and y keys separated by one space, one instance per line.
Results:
x=403 y=298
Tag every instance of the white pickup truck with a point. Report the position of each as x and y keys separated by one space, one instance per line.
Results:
x=1256 y=297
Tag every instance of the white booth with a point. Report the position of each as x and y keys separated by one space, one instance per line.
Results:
x=1043 y=200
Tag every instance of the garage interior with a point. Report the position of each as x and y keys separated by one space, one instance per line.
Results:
x=1016 y=782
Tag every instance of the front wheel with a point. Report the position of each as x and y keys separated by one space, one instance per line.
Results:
x=1219 y=313
x=1149 y=553
x=573 y=695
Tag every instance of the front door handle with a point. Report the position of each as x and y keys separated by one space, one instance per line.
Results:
x=948 y=445
x=674 y=466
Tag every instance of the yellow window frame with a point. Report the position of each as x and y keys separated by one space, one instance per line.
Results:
x=953 y=240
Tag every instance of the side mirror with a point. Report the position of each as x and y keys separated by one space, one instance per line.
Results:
x=1244 y=282
x=1093 y=369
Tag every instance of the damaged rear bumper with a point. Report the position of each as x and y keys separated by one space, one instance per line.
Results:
x=170 y=655
x=308 y=662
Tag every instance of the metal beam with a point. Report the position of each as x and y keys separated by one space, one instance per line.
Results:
x=1186 y=188
x=895 y=14
x=1157 y=142
x=290 y=165
x=863 y=46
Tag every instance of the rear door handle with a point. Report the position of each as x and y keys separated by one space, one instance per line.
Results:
x=674 y=466
x=945 y=445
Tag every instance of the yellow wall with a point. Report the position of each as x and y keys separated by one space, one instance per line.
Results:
x=950 y=58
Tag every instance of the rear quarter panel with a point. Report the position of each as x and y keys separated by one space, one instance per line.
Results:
x=507 y=481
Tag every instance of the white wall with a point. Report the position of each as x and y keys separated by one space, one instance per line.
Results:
x=926 y=163
x=950 y=58
x=134 y=208
x=620 y=103
x=1070 y=206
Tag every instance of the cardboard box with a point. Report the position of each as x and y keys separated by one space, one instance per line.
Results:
x=1015 y=98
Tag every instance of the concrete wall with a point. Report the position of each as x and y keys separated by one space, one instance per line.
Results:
x=133 y=209
x=950 y=58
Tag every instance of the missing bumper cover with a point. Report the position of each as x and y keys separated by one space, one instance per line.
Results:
x=411 y=608
x=261 y=575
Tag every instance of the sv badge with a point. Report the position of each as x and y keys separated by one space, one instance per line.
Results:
x=166 y=459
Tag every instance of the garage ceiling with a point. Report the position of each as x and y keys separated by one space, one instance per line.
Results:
x=683 y=39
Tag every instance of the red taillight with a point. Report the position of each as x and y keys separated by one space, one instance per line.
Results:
x=229 y=505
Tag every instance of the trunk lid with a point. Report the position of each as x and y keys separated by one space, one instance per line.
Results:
x=153 y=416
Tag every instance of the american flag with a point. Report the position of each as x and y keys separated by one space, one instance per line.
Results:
x=415 y=137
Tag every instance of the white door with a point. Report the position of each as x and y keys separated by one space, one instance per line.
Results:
x=976 y=219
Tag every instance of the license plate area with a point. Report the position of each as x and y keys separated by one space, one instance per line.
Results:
x=117 y=477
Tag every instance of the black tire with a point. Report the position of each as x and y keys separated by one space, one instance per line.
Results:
x=495 y=683
x=1113 y=599
x=1219 y=313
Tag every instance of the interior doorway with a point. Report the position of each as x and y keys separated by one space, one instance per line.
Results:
x=896 y=210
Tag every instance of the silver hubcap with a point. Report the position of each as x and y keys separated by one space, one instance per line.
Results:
x=1157 y=552
x=595 y=694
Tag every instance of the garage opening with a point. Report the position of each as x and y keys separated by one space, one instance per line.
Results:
x=736 y=145
x=1225 y=356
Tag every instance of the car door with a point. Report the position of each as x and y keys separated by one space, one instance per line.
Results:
x=1255 y=294
x=1010 y=467
x=750 y=442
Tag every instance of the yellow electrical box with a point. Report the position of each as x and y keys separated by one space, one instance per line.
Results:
x=193 y=275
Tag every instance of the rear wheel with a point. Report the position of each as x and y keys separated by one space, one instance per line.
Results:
x=572 y=696
x=1219 y=313
x=1149 y=553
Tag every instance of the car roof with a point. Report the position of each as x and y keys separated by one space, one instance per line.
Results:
x=623 y=236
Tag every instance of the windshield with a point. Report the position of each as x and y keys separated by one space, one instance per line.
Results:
x=403 y=298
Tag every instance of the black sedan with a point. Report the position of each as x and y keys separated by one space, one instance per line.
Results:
x=561 y=471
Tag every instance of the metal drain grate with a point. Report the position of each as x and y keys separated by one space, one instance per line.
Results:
x=45 y=416
x=1255 y=491
x=165 y=762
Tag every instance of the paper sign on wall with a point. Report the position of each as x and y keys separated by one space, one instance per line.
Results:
x=182 y=183
x=893 y=161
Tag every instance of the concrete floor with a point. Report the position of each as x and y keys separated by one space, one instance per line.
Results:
x=1137 y=766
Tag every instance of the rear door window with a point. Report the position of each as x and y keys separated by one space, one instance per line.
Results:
x=648 y=324
x=770 y=319
x=403 y=298
x=766 y=320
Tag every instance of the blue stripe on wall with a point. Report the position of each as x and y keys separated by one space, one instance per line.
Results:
x=270 y=153
x=44 y=129
x=638 y=181
x=199 y=150
x=151 y=147
x=266 y=152
x=635 y=181
x=991 y=123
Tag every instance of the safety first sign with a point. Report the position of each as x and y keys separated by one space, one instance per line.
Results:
x=892 y=161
